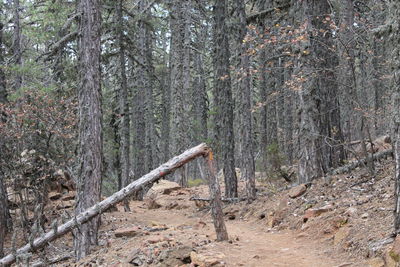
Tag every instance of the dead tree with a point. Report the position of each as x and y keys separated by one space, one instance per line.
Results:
x=150 y=178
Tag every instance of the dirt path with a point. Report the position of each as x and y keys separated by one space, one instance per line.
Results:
x=251 y=244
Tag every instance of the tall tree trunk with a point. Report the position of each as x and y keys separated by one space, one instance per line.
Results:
x=180 y=56
x=223 y=99
x=264 y=110
x=3 y=85
x=311 y=162
x=17 y=52
x=394 y=13
x=149 y=111
x=266 y=86
x=199 y=94
x=140 y=101
x=3 y=99
x=165 y=85
x=90 y=124
x=4 y=211
x=346 y=74
x=246 y=123
x=3 y=214
x=123 y=107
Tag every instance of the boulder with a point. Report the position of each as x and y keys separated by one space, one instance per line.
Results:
x=297 y=191
x=207 y=259
x=175 y=257
x=310 y=213
x=127 y=232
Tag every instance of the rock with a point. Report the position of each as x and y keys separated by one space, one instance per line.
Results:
x=127 y=232
x=54 y=195
x=364 y=215
x=311 y=213
x=390 y=258
x=200 y=225
x=207 y=259
x=376 y=262
x=175 y=257
x=157 y=239
x=171 y=206
x=168 y=191
x=152 y=204
x=394 y=253
x=272 y=220
x=134 y=256
x=165 y=187
x=341 y=235
x=297 y=191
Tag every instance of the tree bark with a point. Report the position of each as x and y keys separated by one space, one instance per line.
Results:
x=142 y=82
x=3 y=85
x=90 y=124
x=3 y=195
x=246 y=121
x=3 y=213
x=215 y=201
x=17 y=52
x=124 y=131
x=180 y=63
x=223 y=99
x=92 y=212
x=394 y=41
x=320 y=129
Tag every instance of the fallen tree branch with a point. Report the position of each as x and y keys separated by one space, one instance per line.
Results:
x=229 y=200
x=153 y=176
x=52 y=261
x=352 y=165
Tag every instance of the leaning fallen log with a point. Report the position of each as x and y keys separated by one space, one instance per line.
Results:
x=153 y=176
x=357 y=163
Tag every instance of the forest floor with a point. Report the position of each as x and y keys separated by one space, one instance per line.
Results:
x=342 y=220
x=178 y=226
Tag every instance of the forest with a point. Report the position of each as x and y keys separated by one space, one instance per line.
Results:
x=95 y=96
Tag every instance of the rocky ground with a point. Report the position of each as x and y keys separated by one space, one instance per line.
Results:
x=341 y=220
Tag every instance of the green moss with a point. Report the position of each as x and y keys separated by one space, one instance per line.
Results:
x=394 y=256
x=196 y=182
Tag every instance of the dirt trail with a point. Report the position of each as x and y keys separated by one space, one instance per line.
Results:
x=250 y=245
x=251 y=242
